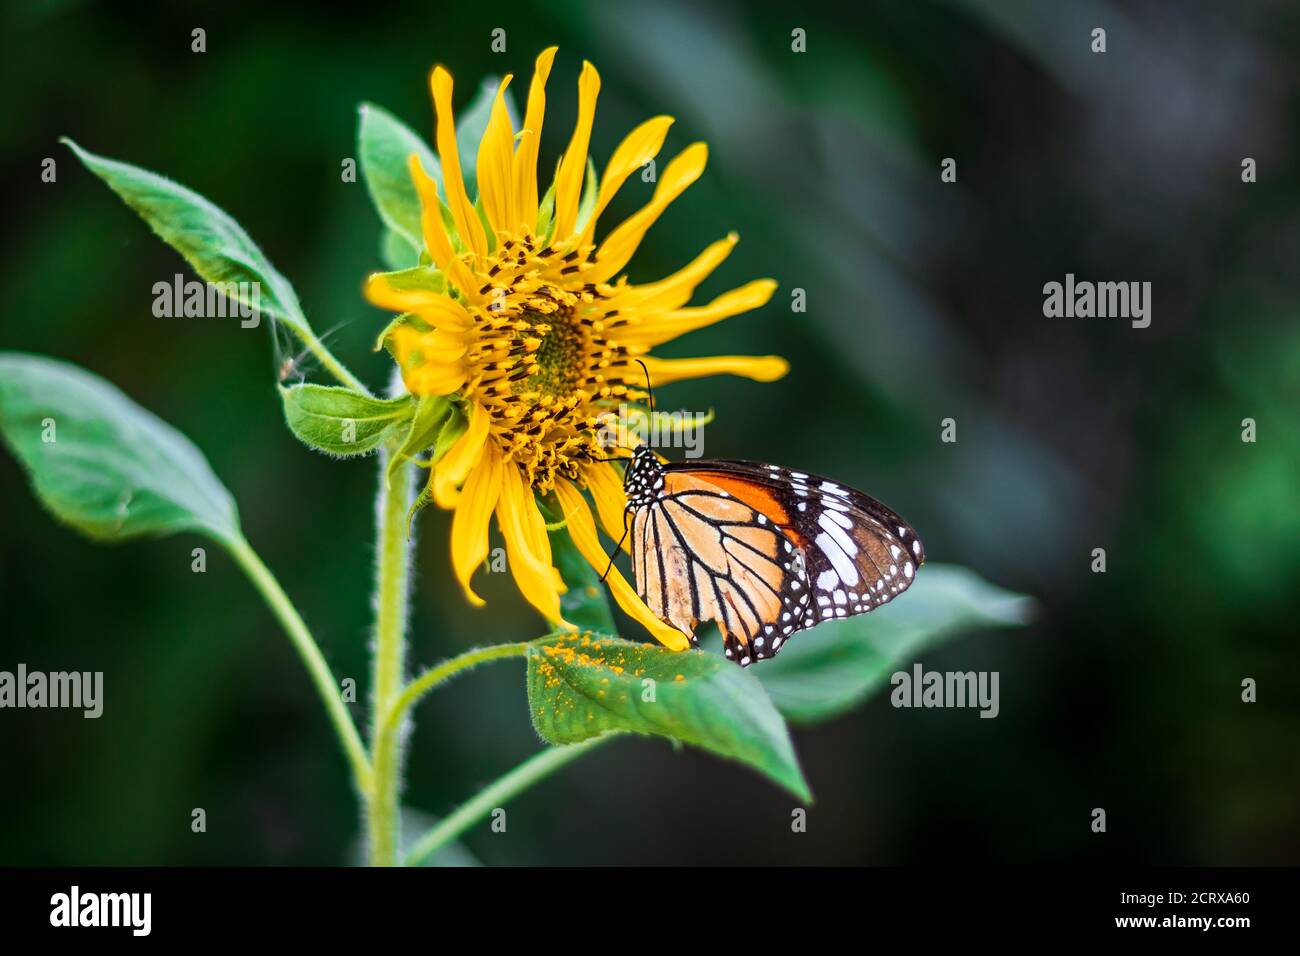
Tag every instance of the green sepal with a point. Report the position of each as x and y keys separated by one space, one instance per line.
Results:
x=419 y=504
x=488 y=231
x=587 y=204
x=546 y=215
x=406 y=318
x=425 y=278
x=431 y=414
x=455 y=426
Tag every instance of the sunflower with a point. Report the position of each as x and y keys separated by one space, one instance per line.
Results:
x=534 y=333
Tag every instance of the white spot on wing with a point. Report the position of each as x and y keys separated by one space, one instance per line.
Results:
x=840 y=561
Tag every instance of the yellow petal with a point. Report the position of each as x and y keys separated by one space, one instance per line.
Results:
x=450 y=473
x=638 y=148
x=520 y=522
x=614 y=253
x=669 y=325
x=436 y=239
x=462 y=210
x=606 y=489
x=436 y=308
x=568 y=181
x=761 y=368
x=676 y=289
x=583 y=532
x=525 y=162
x=429 y=361
x=469 y=525
x=419 y=348
x=496 y=153
x=433 y=379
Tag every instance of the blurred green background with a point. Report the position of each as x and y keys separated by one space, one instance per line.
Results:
x=924 y=302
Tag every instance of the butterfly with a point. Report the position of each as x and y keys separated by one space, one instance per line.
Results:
x=764 y=551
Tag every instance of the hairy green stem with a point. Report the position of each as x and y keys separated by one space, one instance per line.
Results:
x=392 y=572
x=310 y=652
x=436 y=675
x=535 y=768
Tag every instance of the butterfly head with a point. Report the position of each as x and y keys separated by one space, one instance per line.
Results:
x=643 y=480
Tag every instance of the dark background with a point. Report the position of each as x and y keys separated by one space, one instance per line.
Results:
x=924 y=302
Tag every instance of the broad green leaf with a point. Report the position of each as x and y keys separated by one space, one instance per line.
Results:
x=396 y=251
x=431 y=413
x=339 y=421
x=384 y=143
x=833 y=667
x=473 y=123
x=100 y=462
x=582 y=685
x=585 y=604
x=211 y=241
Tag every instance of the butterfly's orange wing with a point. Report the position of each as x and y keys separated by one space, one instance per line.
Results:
x=707 y=551
x=762 y=550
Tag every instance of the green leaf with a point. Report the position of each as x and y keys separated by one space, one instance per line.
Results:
x=582 y=685
x=211 y=241
x=396 y=252
x=100 y=462
x=340 y=421
x=384 y=143
x=431 y=413
x=473 y=123
x=838 y=664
